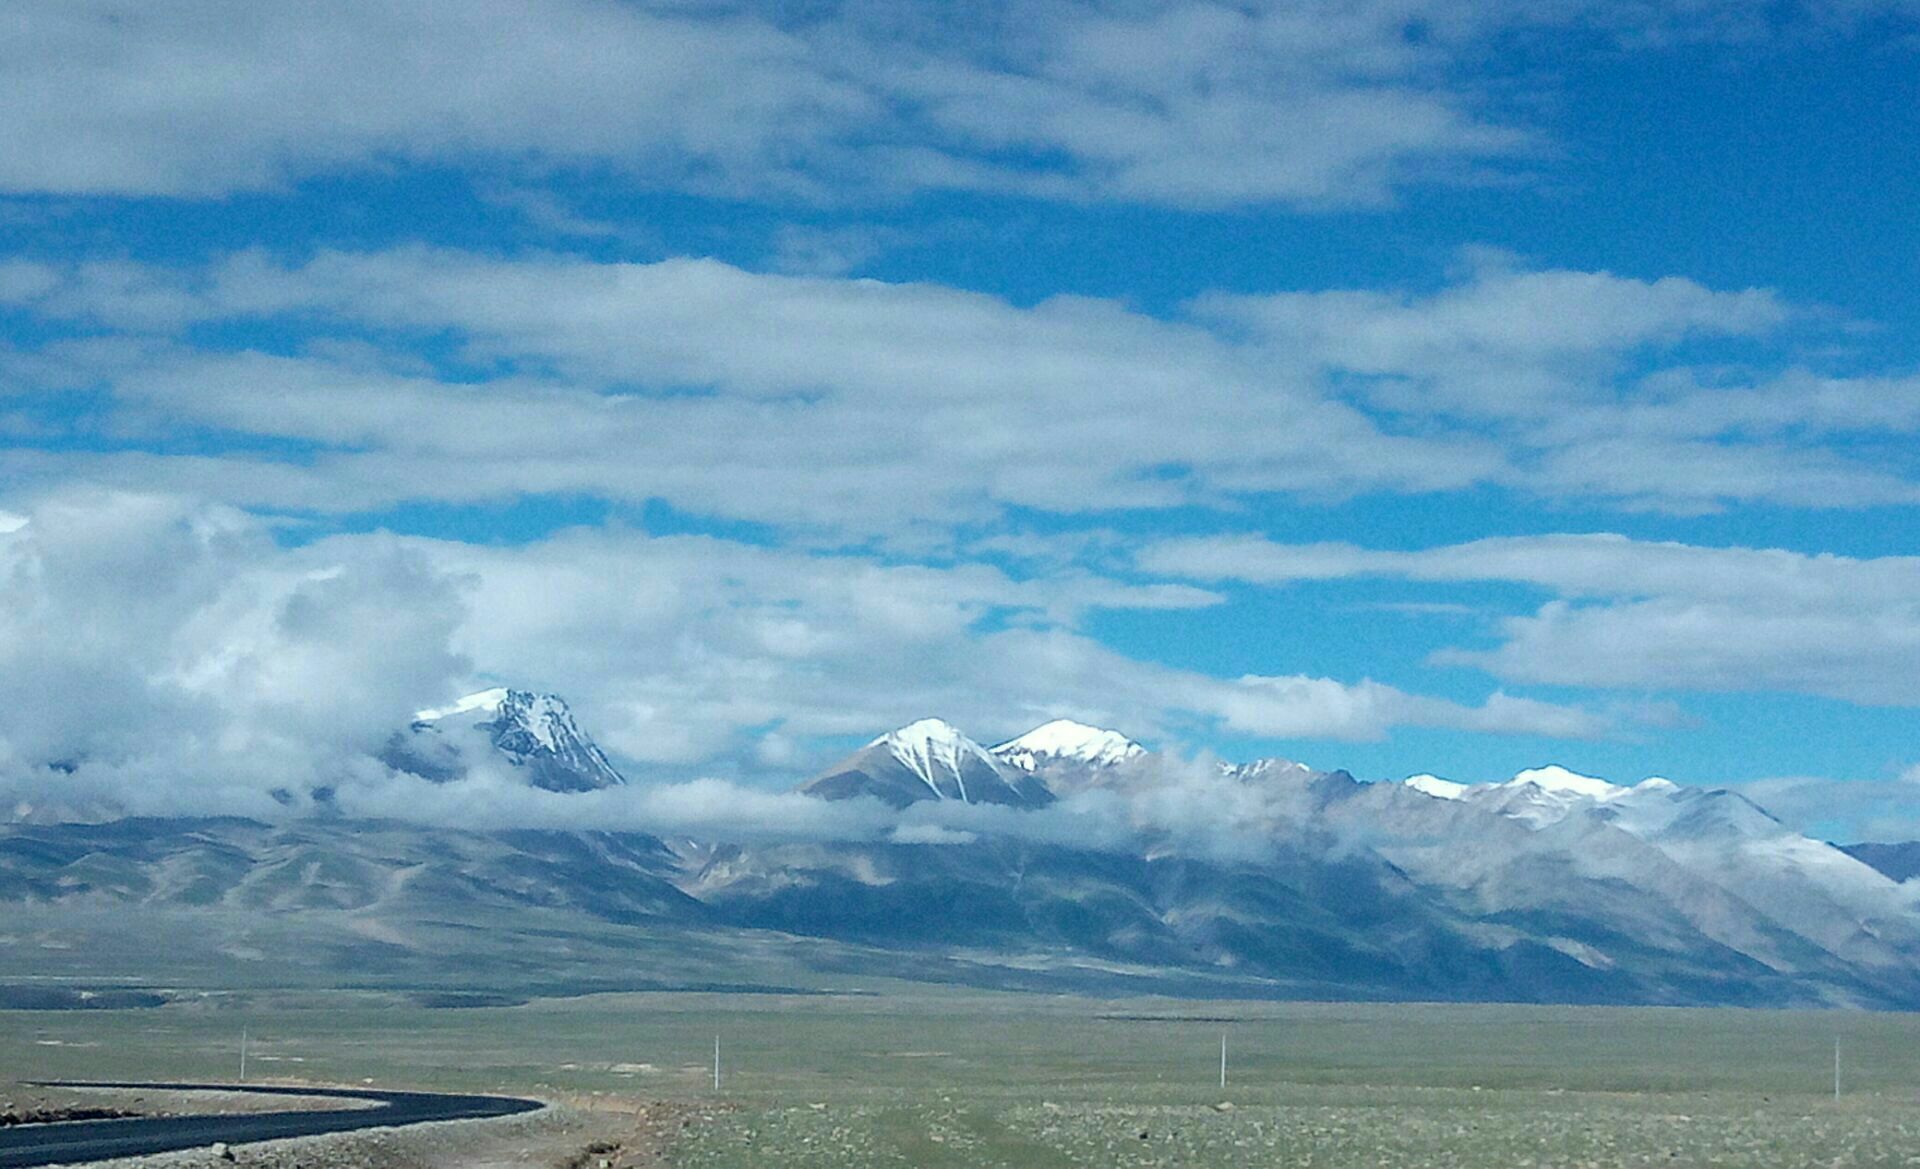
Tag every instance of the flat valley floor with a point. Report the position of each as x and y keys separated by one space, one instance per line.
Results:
x=928 y=1080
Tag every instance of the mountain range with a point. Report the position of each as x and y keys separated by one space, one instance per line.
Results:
x=1069 y=858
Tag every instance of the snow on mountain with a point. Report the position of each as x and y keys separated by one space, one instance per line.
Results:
x=1560 y=781
x=938 y=753
x=485 y=701
x=536 y=732
x=1433 y=785
x=1536 y=791
x=1544 y=795
x=1064 y=740
x=1538 y=796
x=1723 y=841
x=928 y=760
x=1808 y=886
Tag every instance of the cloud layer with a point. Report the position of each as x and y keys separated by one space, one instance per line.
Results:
x=918 y=497
x=1175 y=102
x=1183 y=103
x=857 y=408
x=169 y=655
x=1638 y=614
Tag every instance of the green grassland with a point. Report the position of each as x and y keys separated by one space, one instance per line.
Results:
x=911 y=1078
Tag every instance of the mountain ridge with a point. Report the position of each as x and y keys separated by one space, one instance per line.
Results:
x=1083 y=862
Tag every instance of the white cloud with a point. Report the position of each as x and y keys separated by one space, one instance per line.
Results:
x=1181 y=102
x=1507 y=342
x=1290 y=707
x=691 y=644
x=801 y=401
x=1573 y=373
x=1189 y=103
x=116 y=97
x=1174 y=102
x=1852 y=652
x=856 y=408
x=1638 y=614
x=706 y=809
x=167 y=654
x=170 y=655
x=1191 y=804
x=1881 y=808
x=807 y=250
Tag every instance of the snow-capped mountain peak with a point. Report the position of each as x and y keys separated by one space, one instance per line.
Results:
x=930 y=731
x=1433 y=785
x=927 y=760
x=544 y=718
x=1064 y=739
x=1560 y=781
x=534 y=731
x=1547 y=795
x=934 y=750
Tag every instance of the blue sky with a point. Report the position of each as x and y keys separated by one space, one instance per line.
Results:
x=1400 y=386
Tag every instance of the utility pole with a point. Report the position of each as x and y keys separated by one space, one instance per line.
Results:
x=243 y=1055
x=716 y=1063
x=1836 y=1069
x=1223 y=1059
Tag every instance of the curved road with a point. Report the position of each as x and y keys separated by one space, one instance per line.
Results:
x=73 y=1141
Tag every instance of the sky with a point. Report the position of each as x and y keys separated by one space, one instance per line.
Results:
x=1391 y=385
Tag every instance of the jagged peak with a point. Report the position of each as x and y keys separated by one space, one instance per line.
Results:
x=528 y=728
x=1066 y=739
x=545 y=717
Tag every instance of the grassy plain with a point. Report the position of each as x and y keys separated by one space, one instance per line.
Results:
x=911 y=1078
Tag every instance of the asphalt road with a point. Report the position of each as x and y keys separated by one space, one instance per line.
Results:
x=74 y=1141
